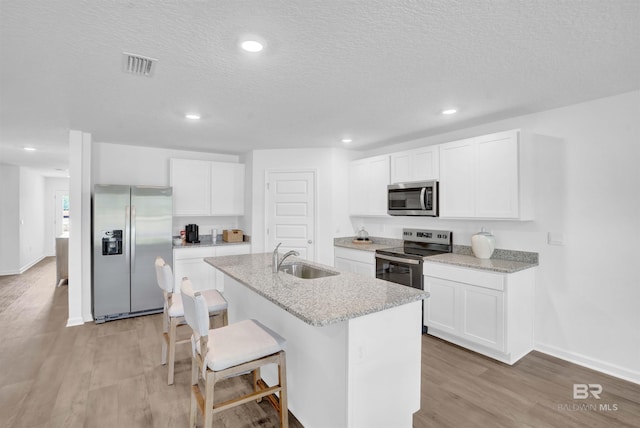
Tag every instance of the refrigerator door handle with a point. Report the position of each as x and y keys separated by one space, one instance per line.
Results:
x=133 y=238
x=127 y=231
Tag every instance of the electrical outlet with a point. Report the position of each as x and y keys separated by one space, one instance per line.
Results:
x=555 y=238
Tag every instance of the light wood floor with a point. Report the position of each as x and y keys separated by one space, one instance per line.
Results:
x=109 y=375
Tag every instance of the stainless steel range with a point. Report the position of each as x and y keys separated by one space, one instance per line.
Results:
x=404 y=265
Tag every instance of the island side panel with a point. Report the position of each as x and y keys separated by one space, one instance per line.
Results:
x=316 y=358
x=384 y=367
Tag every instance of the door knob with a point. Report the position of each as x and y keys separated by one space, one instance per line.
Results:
x=309 y=241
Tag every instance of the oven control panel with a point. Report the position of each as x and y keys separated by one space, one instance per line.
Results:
x=444 y=237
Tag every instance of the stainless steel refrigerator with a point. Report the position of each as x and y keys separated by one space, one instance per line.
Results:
x=131 y=227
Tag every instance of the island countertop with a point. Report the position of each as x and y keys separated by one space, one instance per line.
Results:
x=318 y=302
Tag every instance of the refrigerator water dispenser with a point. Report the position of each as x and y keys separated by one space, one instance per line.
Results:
x=111 y=242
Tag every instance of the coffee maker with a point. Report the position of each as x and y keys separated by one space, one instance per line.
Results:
x=191 y=232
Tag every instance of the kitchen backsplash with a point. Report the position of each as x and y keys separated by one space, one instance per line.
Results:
x=205 y=224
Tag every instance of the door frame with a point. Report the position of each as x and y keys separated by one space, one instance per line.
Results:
x=265 y=226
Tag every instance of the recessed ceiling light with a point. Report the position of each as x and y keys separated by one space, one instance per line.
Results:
x=30 y=149
x=449 y=111
x=347 y=140
x=252 y=46
x=192 y=116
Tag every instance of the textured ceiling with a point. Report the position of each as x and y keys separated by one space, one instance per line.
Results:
x=379 y=71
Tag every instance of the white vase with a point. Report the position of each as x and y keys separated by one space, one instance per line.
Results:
x=482 y=244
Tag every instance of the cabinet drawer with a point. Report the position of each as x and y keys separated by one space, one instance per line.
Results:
x=232 y=250
x=193 y=253
x=494 y=281
x=362 y=256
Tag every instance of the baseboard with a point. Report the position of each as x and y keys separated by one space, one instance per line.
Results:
x=30 y=265
x=591 y=363
x=75 y=321
x=24 y=268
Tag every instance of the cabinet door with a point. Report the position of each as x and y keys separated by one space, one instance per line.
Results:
x=467 y=311
x=376 y=191
x=199 y=272
x=457 y=179
x=425 y=164
x=358 y=198
x=227 y=188
x=482 y=316
x=368 y=181
x=497 y=175
x=191 y=182
x=354 y=266
x=415 y=165
x=342 y=264
x=440 y=308
x=401 y=167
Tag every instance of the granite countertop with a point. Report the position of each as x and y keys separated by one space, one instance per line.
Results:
x=469 y=261
x=318 y=302
x=502 y=261
x=207 y=241
x=375 y=244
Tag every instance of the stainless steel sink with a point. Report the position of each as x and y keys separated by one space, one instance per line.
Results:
x=305 y=271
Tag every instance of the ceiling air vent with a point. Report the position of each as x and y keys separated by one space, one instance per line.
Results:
x=138 y=64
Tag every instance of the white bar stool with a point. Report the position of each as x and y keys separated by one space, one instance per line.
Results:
x=228 y=351
x=173 y=314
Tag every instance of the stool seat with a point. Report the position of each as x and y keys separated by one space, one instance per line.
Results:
x=215 y=303
x=238 y=343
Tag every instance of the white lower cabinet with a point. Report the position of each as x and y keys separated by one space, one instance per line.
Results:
x=356 y=261
x=487 y=312
x=188 y=262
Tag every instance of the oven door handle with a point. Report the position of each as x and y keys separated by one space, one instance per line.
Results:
x=398 y=259
x=423 y=203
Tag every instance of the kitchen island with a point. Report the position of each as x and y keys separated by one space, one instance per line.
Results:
x=353 y=342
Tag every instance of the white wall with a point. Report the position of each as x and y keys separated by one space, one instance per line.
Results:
x=52 y=185
x=330 y=169
x=588 y=290
x=9 y=219
x=141 y=166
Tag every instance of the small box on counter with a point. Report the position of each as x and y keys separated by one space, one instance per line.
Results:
x=232 y=235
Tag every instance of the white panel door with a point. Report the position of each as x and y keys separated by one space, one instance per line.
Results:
x=291 y=212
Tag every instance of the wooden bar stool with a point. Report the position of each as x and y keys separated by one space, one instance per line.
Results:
x=228 y=351
x=173 y=314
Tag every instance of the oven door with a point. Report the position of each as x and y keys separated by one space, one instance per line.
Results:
x=399 y=270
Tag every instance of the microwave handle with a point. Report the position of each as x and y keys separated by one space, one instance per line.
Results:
x=423 y=193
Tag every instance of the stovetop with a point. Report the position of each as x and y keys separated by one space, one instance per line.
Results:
x=419 y=244
x=410 y=253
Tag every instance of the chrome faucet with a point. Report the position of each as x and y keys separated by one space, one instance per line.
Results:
x=277 y=263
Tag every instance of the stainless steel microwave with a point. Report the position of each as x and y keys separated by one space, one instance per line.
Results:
x=415 y=198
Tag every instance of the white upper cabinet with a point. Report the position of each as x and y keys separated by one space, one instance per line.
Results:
x=457 y=175
x=368 y=181
x=497 y=178
x=203 y=188
x=227 y=188
x=191 y=182
x=485 y=177
x=415 y=165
